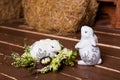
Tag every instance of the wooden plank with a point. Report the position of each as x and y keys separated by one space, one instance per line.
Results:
x=110 y=51
x=104 y=29
x=23 y=74
x=8 y=49
x=4 y=78
x=108 y=39
x=118 y=14
x=111 y=62
x=18 y=40
x=36 y=35
x=92 y=73
x=12 y=39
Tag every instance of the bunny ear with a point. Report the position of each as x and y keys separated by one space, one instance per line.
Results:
x=96 y=39
x=93 y=42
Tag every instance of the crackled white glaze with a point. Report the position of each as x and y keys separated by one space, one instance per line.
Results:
x=88 y=49
x=44 y=48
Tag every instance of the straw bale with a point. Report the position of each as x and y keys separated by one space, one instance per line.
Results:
x=59 y=16
x=9 y=9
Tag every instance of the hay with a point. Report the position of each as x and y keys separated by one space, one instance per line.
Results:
x=59 y=16
x=9 y=9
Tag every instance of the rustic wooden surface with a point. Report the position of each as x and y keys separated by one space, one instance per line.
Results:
x=118 y=14
x=11 y=39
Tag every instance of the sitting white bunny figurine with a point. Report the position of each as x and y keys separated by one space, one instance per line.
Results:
x=88 y=50
x=44 y=48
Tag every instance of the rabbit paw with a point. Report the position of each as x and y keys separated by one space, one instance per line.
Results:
x=81 y=62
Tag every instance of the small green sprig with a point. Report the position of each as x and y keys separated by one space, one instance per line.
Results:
x=70 y=60
x=25 y=60
x=65 y=56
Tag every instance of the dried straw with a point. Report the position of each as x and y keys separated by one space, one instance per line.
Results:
x=9 y=9
x=59 y=16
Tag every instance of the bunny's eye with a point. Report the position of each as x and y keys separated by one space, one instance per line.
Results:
x=52 y=47
x=85 y=31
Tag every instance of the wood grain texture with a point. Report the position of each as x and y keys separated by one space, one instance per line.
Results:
x=11 y=41
x=118 y=14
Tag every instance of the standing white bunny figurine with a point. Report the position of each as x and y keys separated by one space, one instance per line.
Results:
x=88 y=50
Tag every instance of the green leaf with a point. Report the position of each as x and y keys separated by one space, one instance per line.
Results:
x=25 y=60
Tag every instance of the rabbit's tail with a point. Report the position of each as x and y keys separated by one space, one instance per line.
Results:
x=100 y=61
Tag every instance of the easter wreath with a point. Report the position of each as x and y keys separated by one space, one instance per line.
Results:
x=64 y=56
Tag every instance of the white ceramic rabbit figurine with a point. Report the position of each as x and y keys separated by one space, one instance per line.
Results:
x=88 y=50
x=44 y=48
